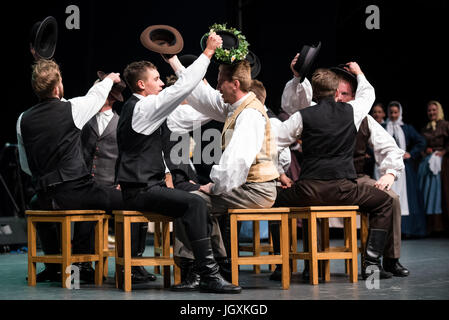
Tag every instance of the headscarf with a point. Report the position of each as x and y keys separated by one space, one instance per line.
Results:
x=433 y=124
x=394 y=127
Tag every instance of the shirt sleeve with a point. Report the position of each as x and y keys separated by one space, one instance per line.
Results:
x=239 y=155
x=289 y=131
x=84 y=108
x=364 y=99
x=284 y=160
x=207 y=100
x=389 y=157
x=296 y=95
x=185 y=119
x=22 y=155
x=151 y=111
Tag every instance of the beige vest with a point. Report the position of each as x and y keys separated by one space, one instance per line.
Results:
x=263 y=168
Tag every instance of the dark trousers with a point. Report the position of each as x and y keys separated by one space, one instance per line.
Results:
x=190 y=208
x=74 y=195
x=305 y=193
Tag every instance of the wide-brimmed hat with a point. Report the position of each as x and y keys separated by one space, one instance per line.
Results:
x=255 y=64
x=162 y=39
x=306 y=59
x=348 y=76
x=117 y=88
x=44 y=36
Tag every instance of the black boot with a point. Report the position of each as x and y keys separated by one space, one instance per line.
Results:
x=306 y=272
x=395 y=267
x=138 y=237
x=190 y=279
x=208 y=269
x=87 y=273
x=51 y=273
x=374 y=250
x=225 y=268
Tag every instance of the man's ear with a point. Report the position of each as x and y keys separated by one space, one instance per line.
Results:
x=141 y=84
x=236 y=84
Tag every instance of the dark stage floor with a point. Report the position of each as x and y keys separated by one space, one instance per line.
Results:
x=427 y=259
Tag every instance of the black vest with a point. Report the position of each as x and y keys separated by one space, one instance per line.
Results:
x=52 y=143
x=361 y=147
x=328 y=137
x=140 y=156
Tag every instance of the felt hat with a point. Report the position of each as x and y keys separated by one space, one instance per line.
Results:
x=255 y=64
x=348 y=76
x=306 y=59
x=117 y=88
x=162 y=39
x=44 y=36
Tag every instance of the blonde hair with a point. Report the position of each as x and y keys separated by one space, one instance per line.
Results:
x=258 y=88
x=45 y=77
x=440 y=116
x=240 y=71
x=324 y=84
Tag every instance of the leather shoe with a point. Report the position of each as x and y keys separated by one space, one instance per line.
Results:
x=225 y=268
x=395 y=267
x=191 y=283
x=140 y=270
x=216 y=284
x=87 y=273
x=48 y=274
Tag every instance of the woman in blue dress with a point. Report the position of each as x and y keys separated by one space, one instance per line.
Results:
x=431 y=174
x=409 y=140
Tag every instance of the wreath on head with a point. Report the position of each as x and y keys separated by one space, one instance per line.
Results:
x=232 y=55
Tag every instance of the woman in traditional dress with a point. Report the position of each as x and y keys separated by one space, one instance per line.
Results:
x=432 y=178
x=409 y=140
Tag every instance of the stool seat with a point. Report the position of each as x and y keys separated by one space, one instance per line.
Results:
x=123 y=259
x=66 y=258
x=269 y=214
x=348 y=252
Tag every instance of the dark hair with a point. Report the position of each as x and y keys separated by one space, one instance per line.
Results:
x=134 y=72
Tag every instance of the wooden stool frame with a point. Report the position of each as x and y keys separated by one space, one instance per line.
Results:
x=66 y=258
x=273 y=214
x=123 y=259
x=348 y=252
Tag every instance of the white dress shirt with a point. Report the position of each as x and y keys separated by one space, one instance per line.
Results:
x=83 y=109
x=291 y=129
x=296 y=95
x=247 y=139
x=103 y=119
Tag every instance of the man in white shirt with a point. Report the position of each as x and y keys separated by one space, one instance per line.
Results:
x=141 y=168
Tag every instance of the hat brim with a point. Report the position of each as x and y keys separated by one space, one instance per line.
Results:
x=255 y=64
x=306 y=60
x=46 y=38
x=162 y=39
x=187 y=59
x=341 y=71
x=117 y=88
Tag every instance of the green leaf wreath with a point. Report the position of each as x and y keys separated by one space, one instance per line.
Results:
x=232 y=55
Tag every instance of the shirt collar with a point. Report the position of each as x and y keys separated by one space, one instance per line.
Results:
x=236 y=104
x=138 y=96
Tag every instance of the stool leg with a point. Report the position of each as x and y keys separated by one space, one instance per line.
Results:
x=157 y=244
x=285 y=252
x=66 y=253
x=234 y=250
x=347 y=226
x=313 y=249
x=119 y=277
x=105 y=246
x=270 y=237
x=166 y=251
x=294 y=242
x=127 y=253
x=325 y=240
x=31 y=251
x=256 y=244
x=353 y=242
x=99 y=249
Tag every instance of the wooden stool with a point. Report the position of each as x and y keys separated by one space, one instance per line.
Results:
x=107 y=252
x=158 y=249
x=65 y=217
x=349 y=251
x=273 y=214
x=256 y=248
x=123 y=259
x=363 y=237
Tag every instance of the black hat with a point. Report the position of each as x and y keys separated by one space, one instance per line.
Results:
x=230 y=41
x=187 y=59
x=162 y=39
x=44 y=36
x=348 y=76
x=255 y=64
x=306 y=59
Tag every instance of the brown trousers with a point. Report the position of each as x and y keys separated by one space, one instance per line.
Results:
x=305 y=193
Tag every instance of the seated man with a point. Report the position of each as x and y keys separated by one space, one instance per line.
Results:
x=246 y=174
x=49 y=138
x=100 y=150
x=141 y=169
x=328 y=132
